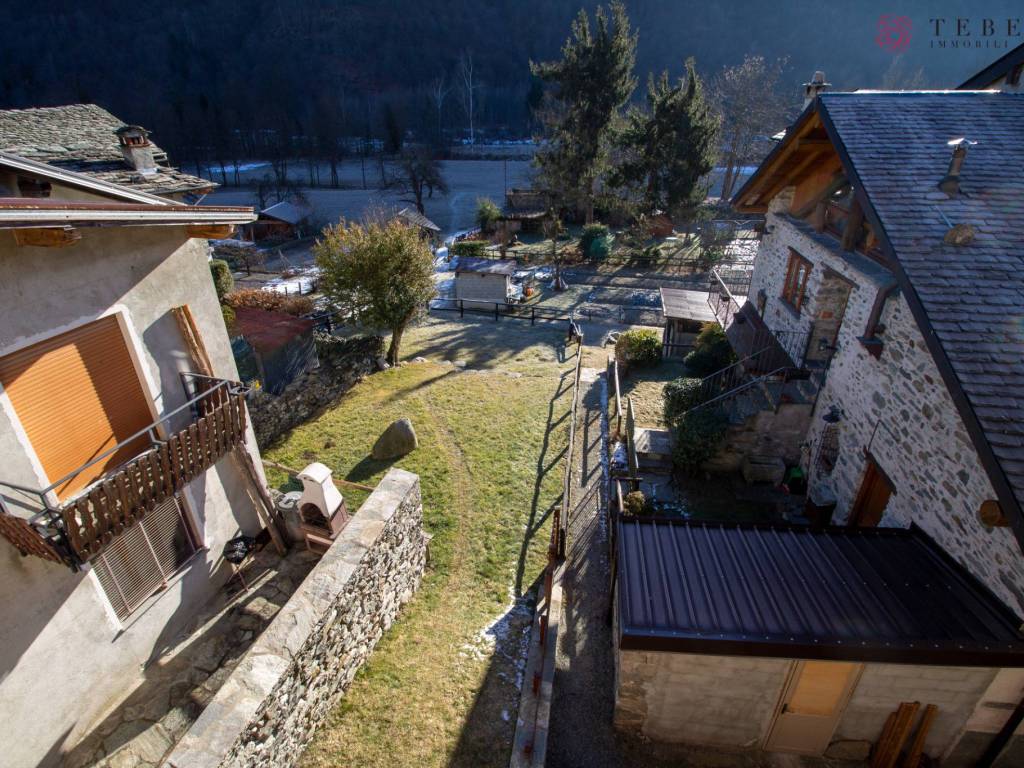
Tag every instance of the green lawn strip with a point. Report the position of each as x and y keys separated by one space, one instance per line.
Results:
x=645 y=386
x=431 y=694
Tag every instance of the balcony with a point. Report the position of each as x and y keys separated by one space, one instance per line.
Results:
x=761 y=348
x=177 y=448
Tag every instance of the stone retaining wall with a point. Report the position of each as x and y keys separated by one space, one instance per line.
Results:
x=343 y=362
x=297 y=670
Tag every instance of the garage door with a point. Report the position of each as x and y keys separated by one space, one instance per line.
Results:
x=77 y=395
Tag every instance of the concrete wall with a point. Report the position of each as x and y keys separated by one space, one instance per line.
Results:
x=955 y=690
x=480 y=286
x=730 y=701
x=897 y=407
x=297 y=670
x=65 y=659
x=721 y=701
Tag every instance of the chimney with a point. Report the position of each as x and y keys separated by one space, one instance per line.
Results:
x=950 y=183
x=813 y=88
x=135 y=146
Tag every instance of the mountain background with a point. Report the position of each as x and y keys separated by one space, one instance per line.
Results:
x=198 y=72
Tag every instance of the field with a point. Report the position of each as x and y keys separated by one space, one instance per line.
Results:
x=468 y=180
x=442 y=689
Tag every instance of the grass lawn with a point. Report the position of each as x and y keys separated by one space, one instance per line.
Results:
x=441 y=688
x=645 y=386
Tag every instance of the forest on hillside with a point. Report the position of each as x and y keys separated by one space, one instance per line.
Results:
x=226 y=76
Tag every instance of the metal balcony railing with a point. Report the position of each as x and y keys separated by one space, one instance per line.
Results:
x=73 y=530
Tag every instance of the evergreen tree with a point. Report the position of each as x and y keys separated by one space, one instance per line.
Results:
x=590 y=84
x=668 y=148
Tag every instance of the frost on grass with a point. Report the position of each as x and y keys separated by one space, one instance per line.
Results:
x=507 y=638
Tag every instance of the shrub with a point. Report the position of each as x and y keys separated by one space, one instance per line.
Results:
x=270 y=301
x=711 y=351
x=229 y=318
x=223 y=282
x=698 y=436
x=475 y=248
x=635 y=503
x=680 y=395
x=639 y=347
x=595 y=242
x=487 y=213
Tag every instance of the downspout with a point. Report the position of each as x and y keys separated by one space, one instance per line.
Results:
x=1001 y=739
x=870 y=340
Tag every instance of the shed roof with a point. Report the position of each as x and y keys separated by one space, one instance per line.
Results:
x=269 y=331
x=883 y=594
x=82 y=138
x=417 y=219
x=284 y=211
x=686 y=305
x=486 y=266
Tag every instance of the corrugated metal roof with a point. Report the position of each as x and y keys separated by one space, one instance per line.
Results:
x=686 y=305
x=880 y=594
x=417 y=219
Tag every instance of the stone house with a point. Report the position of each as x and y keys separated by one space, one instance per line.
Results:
x=891 y=274
x=484 y=280
x=118 y=410
x=88 y=140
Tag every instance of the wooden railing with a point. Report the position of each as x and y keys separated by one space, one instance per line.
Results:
x=77 y=529
x=121 y=498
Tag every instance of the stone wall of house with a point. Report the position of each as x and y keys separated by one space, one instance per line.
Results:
x=723 y=701
x=897 y=407
x=781 y=433
x=297 y=670
x=343 y=362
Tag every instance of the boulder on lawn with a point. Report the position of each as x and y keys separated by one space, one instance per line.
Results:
x=398 y=439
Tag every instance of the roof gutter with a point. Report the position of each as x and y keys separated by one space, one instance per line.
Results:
x=21 y=218
x=78 y=180
x=1004 y=491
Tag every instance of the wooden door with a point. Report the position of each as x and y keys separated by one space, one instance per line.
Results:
x=77 y=395
x=875 y=490
x=812 y=703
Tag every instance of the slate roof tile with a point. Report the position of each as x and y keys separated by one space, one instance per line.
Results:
x=80 y=137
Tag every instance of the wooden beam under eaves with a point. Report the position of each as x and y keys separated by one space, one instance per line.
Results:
x=210 y=231
x=47 y=237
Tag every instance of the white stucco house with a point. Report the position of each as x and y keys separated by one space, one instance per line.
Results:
x=123 y=436
x=890 y=279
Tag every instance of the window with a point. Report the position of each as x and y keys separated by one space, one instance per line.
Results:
x=77 y=395
x=797 y=272
x=140 y=561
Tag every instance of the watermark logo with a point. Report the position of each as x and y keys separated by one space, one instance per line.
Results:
x=893 y=32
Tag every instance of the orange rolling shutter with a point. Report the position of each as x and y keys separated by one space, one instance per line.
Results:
x=77 y=395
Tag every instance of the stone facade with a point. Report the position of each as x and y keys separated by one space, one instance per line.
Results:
x=343 y=362
x=297 y=670
x=896 y=407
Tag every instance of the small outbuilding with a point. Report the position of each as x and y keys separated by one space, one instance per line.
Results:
x=802 y=640
x=413 y=218
x=282 y=220
x=486 y=280
x=685 y=312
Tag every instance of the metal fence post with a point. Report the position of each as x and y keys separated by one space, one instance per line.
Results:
x=533 y=315
x=462 y=309
x=496 y=305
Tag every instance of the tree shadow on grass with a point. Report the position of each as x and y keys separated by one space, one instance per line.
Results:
x=545 y=465
x=485 y=738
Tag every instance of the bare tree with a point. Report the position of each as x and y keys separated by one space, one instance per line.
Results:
x=752 y=108
x=419 y=172
x=469 y=88
x=439 y=90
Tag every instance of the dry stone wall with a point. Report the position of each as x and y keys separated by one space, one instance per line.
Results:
x=343 y=362
x=298 y=669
